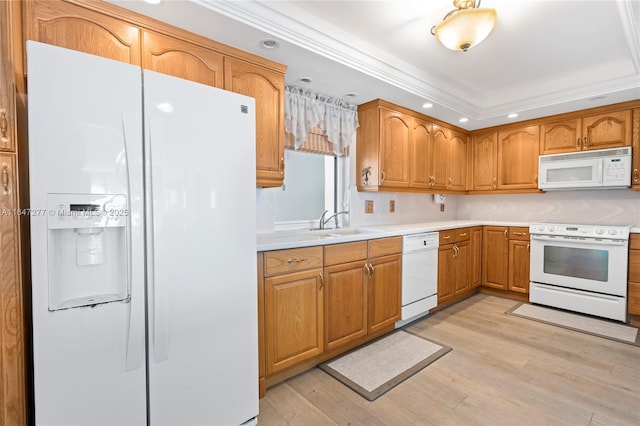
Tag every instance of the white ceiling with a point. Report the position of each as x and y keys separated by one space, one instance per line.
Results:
x=544 y=57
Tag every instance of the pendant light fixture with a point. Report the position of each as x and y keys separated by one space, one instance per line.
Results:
x=466 y=26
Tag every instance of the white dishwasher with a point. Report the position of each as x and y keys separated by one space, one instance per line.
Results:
x=419 y=276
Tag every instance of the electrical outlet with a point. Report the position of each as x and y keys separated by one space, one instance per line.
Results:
x=392 y=206
x=368 y=206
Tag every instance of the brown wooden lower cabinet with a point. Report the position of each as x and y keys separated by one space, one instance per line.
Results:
x=324 y=300
x=633 y=293
x=345 y=311
x=293 y=318
x=455 y=263
x=505 y=258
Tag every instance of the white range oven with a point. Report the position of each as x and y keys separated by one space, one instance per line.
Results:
x=581 y=268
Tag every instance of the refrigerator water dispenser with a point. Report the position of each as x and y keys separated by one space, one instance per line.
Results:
x=87 y=250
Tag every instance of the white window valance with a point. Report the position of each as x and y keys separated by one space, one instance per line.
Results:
x=305 y=110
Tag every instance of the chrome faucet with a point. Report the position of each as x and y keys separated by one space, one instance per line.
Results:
x=333 y=216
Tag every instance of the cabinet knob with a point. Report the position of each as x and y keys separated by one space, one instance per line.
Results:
x=382 y=176
x=635 y=175
x=506 y=234
x=578 y=143
x=586 y=142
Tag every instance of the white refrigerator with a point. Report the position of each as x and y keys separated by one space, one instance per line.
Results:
x=143 y=247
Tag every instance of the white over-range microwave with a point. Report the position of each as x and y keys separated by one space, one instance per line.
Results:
x=598 y=169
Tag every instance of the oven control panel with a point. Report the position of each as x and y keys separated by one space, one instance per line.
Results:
x=620 y=232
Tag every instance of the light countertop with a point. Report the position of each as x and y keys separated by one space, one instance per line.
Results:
x=294 y=239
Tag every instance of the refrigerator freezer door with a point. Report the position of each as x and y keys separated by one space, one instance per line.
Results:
x=85 y=133
x=203 y=359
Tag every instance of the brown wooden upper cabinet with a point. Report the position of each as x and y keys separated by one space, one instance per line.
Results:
x=106 y=30
x=599 y=131
x=457 y=161
x=518 y=158
x=383 y=150
x=267 y=87
x=395 y=130
x=421 y=145
x=484 y=158
x=179 y=58
x=75 y=27
x=635 y=151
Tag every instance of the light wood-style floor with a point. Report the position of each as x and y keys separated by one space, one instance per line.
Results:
x=503 y=370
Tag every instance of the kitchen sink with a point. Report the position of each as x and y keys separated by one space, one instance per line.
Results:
x=341 y=232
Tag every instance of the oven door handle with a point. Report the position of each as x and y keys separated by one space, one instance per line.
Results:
x=588 y=241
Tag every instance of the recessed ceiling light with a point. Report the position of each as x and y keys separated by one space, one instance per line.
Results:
x=305 y=80
x=463 y=120
x=269 y=44
x=512 y=115
x=153 y=1
x=351 y=95
x=427 y=105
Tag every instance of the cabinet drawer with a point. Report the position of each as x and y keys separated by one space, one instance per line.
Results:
x=449 y=236
x=291 y=260
x=385 y=246
x=634 y=241
x=347 y=252
x=519 y=233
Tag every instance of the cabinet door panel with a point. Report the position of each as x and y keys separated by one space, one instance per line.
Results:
x=484 y=156
x=519 y=266
x=420 y=144
x=561 y=136
x=635 y=151
x=345 y=312
x=267 y=87
x=181 y=59
x=384 y=292
x=439 y=156
x=7 y=82
x=12 y=354
x=518 y=158
x=457 y=171
x=293 y=319
x=74 y=27
x=608 y=130
x=475 y=252
x=495 y=257
x=446 y=273
x=462 y=256
x=394 y=148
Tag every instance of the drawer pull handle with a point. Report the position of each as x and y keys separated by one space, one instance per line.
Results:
x=296 y=260
x=446 y=237
x=521 y=234
x=463 y=234
x=4 y=125
x=5 y=179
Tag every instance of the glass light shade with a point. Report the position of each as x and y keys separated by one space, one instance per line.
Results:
x=465 y=28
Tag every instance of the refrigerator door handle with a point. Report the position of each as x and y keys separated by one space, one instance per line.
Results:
x=157 y=298
x=135 y=332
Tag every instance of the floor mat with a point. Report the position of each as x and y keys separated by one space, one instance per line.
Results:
x=381 y=365
x=578 y=322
